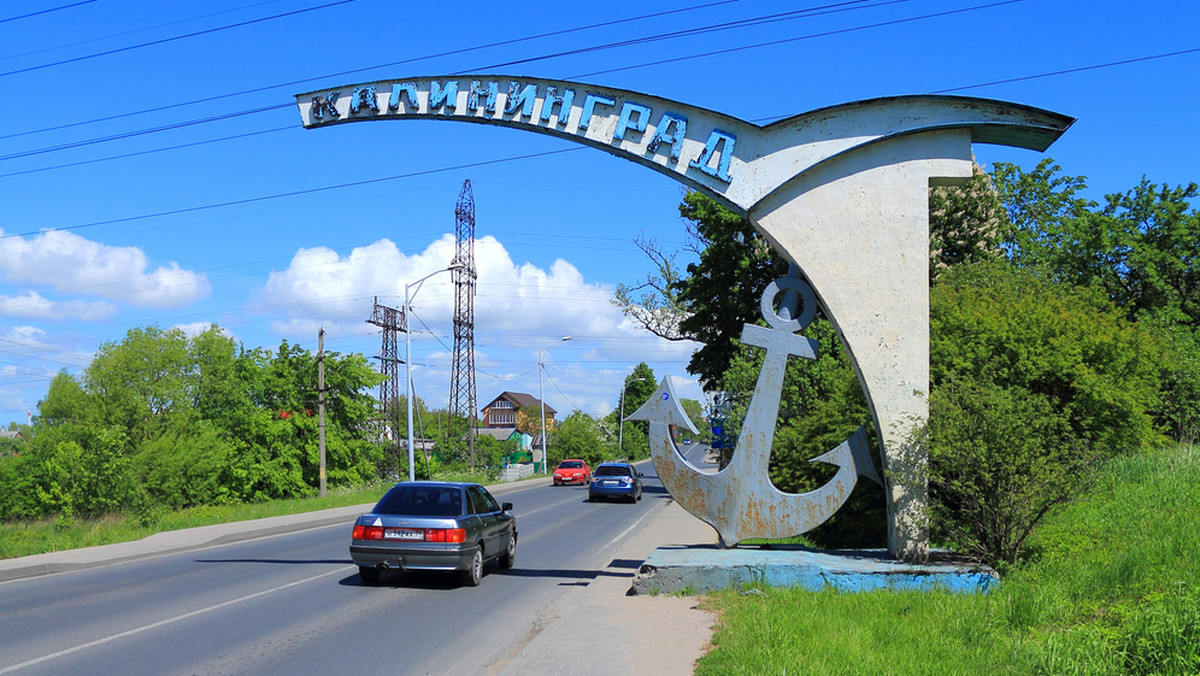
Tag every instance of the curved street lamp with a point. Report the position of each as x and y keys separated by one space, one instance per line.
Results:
x=454 y=265
x=542 y=402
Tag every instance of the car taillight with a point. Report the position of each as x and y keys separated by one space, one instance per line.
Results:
x=362 y=532
x=445 y=535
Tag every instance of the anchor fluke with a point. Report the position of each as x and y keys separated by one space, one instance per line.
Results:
x=664 y=408
x=854 y=452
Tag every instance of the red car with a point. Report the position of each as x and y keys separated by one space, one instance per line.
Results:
x=572 y=471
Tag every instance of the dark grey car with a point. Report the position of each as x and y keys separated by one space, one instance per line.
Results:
x=428 y=525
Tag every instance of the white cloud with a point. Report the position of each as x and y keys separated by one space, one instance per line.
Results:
x=67 y=262
x=519 y=309
x=32 y=305
x=318 y=281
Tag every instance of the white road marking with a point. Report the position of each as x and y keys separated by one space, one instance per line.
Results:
x=622 y=533
x=542 y=509
x=163 y=623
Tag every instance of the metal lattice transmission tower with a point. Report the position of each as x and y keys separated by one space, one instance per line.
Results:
x=462 y=373
x=391 y=320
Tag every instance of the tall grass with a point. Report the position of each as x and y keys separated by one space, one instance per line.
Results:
x=1111 y=585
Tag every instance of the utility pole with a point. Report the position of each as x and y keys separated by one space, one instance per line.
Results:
x=390 y=320
x=462 y=371
x=321 y=402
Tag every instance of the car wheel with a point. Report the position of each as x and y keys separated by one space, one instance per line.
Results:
x=368 y=574
x=473 y=575
x=510 y=554
x=591 y=498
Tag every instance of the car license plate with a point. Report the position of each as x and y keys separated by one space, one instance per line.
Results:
x=403 y=534
x=610 y=483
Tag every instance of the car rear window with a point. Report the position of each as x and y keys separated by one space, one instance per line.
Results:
x=570 y=464
x=612 y=470
x=422 y=501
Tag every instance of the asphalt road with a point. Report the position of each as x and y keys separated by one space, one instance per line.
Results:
x=293 y=604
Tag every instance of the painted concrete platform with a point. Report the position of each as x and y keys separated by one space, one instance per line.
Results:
x=702 y=569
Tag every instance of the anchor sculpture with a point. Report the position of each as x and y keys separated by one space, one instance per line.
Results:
x=740 y=501
x=841 y=192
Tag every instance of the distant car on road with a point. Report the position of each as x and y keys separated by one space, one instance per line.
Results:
x=442 y=526
x=573 y=471
x=615 y=480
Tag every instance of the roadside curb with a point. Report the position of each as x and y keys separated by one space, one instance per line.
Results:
x=177 y=541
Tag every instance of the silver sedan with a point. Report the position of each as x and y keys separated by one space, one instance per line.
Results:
x=441 y=526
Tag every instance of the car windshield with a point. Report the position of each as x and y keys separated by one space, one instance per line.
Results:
x=612 y=470
x=417 y=500
x=570 y=464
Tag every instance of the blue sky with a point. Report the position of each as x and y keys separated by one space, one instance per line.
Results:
x=230 y=212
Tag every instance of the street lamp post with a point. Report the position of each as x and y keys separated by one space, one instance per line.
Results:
x=621 y=419
x=408 y=357
x=542 y=402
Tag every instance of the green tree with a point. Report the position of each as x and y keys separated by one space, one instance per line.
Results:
x=695 y=413
x=1139 y=248
x=578 y=436
x=165 y=420
x=141 y=383
x=718 y=293
x=632 y=436
x=216 y=380
x=721 y=291
x=1040 y=207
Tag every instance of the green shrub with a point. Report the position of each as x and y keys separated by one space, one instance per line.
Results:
x=1034 y=385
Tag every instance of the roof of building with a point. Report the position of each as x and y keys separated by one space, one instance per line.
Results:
x=497 y=433
x=521 y=400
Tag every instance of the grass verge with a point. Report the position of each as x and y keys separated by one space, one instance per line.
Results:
x=1111 y=586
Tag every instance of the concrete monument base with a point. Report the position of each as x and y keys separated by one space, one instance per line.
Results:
x=703 y=569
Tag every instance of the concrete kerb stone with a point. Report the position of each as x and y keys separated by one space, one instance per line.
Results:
x=704 y=569
x=176 y=541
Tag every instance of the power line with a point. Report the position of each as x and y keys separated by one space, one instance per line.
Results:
x=743 y=23
x=354 y=71
x=101 y=38
x=174 y=38
x=46 y=11
x=142 y=132
x=837 y=7
x=846 y=5
x=151 y=151
x=1069 y=71
x=810 y=36
x=296 y=193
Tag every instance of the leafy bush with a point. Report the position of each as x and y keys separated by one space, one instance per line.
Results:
x=1033 y=385
x=160 y=420
x=1002 y=458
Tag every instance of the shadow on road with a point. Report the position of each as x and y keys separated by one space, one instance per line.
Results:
x=419 y=579
x=347 y=562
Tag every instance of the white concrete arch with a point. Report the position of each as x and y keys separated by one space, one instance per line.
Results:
x=842 y=192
